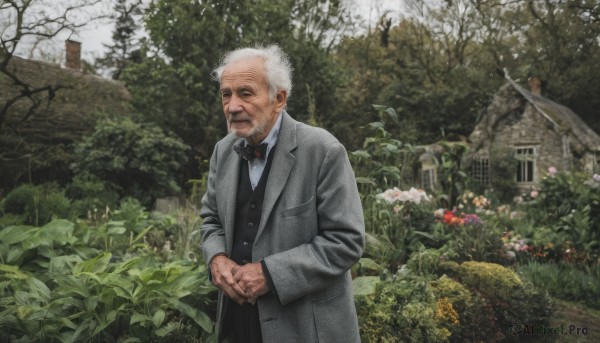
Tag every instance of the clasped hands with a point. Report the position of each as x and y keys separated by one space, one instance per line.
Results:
x=241 y=283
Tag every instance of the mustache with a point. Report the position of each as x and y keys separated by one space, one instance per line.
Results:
x=238 y=116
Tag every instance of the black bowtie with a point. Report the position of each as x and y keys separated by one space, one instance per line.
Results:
x=249 y=152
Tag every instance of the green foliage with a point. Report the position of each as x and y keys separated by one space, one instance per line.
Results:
x=565 y=280
x=56 y=284
x=382 y=163
x=176 y=64
x=489 y=278
x=377 y=165
x=97 y=301
x=512 y=300
x=477 y=320
x=35 y=205
x=568 y=209
x=452 y=177
x=399 y=312
x=425 y=261
x=139 y=160
x=502 y=180
x=124 y=48
x=88 y=192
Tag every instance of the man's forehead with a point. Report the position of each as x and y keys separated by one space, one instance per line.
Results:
x=243 y=74
x=242 y=67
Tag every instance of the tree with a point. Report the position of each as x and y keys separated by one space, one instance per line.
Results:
x=125 y=47
x=139 y=160
x=434 y=71
x=173 y=86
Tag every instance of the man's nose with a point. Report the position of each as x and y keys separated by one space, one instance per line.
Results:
x=235 y=104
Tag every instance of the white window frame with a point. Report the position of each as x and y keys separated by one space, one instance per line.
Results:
x=526 y=161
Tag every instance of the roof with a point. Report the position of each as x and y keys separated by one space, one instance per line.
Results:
x=83 y=96
x=560 y=116
x=562 y=119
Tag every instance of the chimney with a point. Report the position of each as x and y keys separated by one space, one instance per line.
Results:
x=73 y=54
x=535 y=85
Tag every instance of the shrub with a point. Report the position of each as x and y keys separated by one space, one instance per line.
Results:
x=400 y=312
x=512 y=300
x=489 y=278
x=87 y=193
x=476 y=316
x=569 y=206
x=425 y=261
x=36 y=205
x=98 y=301
x=140 y=159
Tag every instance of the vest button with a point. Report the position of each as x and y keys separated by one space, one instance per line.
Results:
x=250 y=224
x=252 y=205
x=245 y=244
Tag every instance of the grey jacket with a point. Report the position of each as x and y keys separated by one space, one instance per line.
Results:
x=311 y=233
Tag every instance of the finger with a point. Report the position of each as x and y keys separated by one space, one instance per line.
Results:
x=233 y=295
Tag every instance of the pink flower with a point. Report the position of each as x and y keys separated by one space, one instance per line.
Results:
x=533 y=194
x=552 y=171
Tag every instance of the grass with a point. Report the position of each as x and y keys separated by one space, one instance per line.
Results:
x=575 y=291
x=568 y=313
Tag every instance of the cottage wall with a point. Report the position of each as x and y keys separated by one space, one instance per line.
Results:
x=531 y=129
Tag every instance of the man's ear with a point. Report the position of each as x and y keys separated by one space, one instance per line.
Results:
x=280 y=101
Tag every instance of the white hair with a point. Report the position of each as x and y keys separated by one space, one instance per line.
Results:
x=278 y=68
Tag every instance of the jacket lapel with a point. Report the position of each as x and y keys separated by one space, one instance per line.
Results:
x=282 y=164
x=228 y=188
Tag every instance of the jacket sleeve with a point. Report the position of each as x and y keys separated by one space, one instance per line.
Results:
x=213 y=235
x=339 y=243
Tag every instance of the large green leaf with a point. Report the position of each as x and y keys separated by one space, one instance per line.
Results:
x=39 y=289
x=364 y=285
x=13 y=272
x=158 y=318
x=59 y=230
x=105 y=321
x=199 y=317
x=97 y=264
x=16 y=234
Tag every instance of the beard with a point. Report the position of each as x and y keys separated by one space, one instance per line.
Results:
x=258 y=128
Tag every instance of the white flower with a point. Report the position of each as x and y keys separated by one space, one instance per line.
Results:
x=394 y=195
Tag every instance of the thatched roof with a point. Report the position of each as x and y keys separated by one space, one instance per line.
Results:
x=562 y=117
x=511 y=97
x=72 y=108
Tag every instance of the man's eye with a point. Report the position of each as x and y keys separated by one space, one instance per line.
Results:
x=225 y=95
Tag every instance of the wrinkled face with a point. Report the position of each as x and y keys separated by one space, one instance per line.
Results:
x=245 y=97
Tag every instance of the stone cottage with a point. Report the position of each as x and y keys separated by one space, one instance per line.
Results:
x=37 y=128
x=538 y=132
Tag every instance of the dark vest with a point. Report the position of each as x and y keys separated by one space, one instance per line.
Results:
x=248 y=209
x=241 y=323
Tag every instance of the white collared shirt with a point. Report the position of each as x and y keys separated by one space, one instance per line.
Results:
x=256 y=166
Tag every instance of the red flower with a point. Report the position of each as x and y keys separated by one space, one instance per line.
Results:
x=448 y=215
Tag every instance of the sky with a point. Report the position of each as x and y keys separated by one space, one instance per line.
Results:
x=94 y=35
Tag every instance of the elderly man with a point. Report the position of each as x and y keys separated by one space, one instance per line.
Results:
x=282 y=219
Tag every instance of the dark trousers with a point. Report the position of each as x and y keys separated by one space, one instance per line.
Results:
x=241 y=323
